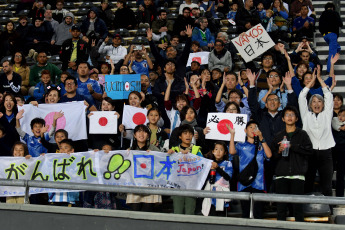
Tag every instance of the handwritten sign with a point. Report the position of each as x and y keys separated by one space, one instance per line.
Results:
x=201 y=57
x=121 y=167
x=218 y=121
x=120 y=86
x=254 y=43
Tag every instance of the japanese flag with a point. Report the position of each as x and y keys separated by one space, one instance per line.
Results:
x=103 y=122
x=133 y=116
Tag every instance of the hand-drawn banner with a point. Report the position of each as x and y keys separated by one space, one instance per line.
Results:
x=122 y=167
x=73 y=120
x=121 y=85
x=253 y=43
x=218 y=121
x=201 y=57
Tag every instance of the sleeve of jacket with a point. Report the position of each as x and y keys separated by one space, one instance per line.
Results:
x=304 y=147
x=25 y=78
x=38 y=95
x=254 y=104
x=275 y=147
x=196 y=37
x=292 y=100
x=156 y=55
x=210 y=60
x=229 y=59
x=155 y=27
x=302 y=102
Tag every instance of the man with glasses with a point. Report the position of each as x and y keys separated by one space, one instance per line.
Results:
x=181 y=23
x=42 y=64
x=290 y=171
x=9 y=81
x=220 y=58
x=203 y=35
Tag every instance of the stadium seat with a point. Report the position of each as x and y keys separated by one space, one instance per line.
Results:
x=87 y=4
x=172 y=16
x=82 y=11
x=232 y=30
x=163 y=8
x=55 y=59
x=6 y=13
x=23 y=13
x=6 y=58
x=132 y=4
x=141 y=32
x=123 y=32
x=220 y=15
x=180 y=47
x=69 y=5
x=14 y=1
x=140 y=40
x=11 y=6
x=4 y=20
x=3 y=2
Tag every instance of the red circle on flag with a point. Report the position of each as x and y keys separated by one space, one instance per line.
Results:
x=139 y=118
x=103 y=121
x=221 y=126
x=142 y=165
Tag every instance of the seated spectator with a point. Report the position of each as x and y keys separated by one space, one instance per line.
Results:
x=9 y=39
x=88 y=87
x=161 y=25
x=304 y=52
x=303 y=25
x=220 y=57
x=114 y=52
x=296 y=6
x=261 y=10
x=181 y=24
x=10 y=81
x=39 y=36
x=42 y=87
x=203 y=34
x=139 y=64
x=74 y=50
x=124 y=16
x=59 y=13
x=62 y=33
x=247 y=16
x=146 y=14
x=37 y=10
x=48 y=17
x=209 y=8
x=22 y=30
x=187 y=3
x=20 y=67
x=42 y=64
x=149 y=101
x=232 y=13
x=267 y=21
x=71 y=86
x=106 y=13
x=94 y=25
x=280 y=16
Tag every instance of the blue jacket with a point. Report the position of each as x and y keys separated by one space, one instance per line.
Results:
x=100 y=26
x=40 y=90
x=196 y=36
x=34 y=144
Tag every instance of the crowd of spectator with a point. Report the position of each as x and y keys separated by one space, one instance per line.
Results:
x=283 y=92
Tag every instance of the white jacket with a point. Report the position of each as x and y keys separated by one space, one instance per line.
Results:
x=115 y=53
x=318 y=127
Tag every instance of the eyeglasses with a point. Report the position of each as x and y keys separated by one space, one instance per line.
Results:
x=289 y=115
x=273 y=99
x=18 y=56
x=70 y=83
x=123 y=69
x=273 y=75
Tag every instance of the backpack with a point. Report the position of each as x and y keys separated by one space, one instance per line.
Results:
x=248 y=174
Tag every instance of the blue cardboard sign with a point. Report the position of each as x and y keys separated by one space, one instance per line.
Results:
x=119 y=86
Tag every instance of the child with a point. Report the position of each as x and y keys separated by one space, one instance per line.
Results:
x=193 y=89
x=232 y=14
x=63 y=77
x=267 y=22
x=157 y=135
x=261 y=11
x=41 y=87
x=141 y=142
x=223 y=168
x=64 y=198
x=34 y=142
x=338 y=125
x=196 y=47
x=19 y=149
x=60 y=135
x=185 y=133
x=217 y=77
x=246 y=152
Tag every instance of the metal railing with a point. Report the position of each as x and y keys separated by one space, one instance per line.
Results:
x=252 y=197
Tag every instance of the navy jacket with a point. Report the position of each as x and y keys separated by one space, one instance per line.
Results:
x=100 y=26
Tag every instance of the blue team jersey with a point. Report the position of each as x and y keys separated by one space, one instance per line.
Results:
x=34 y=144
x=84 y=91
x=299 y=22
x=246 y=153
x=141 y=67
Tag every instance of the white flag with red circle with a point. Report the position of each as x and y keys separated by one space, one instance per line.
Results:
x=103 y=122
x=133 y=116
x=217 y=123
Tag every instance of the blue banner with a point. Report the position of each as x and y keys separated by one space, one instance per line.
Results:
x=120 y=86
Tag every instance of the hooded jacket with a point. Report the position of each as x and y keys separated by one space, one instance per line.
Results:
x=62 y=32
x=43 y=33
x=100 y=27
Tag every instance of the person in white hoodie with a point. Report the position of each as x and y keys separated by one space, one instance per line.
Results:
x=317 y=117
x=62 y=33
x=114 y=52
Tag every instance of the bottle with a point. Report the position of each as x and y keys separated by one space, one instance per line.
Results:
x=212 y=176
x=286 y=145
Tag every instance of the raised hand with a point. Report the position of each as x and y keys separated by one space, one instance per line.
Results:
x=44 y=129
x=335 y=58
x=251 y=77
x=231 y=130
x=58 y=115
x=185 y=83
x=149 y=34
x=189 y=30
x=20 y=114
x=287 y=79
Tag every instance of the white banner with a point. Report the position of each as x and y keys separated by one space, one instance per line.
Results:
x=122 y=167
x=133 y=116
x=253 y=43
x=217 y=123
x=201 y=57
x=73 y=121
x=103 y=122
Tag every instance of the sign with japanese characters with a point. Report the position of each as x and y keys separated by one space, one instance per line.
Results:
x=122 y=167
x=253 y=43
x=201 y=57
x=73 y=120
x=120 y=86
x=218 y=122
